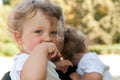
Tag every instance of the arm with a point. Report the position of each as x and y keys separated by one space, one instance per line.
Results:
x=35 y=67
x=92 y=76
x=86 y=76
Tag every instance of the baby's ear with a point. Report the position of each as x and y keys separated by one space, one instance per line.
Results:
x=17 y=36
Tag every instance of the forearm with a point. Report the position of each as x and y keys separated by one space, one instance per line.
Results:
x=86 y=76
x=92 y=76
x=35 y=68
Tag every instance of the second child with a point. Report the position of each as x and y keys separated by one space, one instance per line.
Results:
x=89 y=66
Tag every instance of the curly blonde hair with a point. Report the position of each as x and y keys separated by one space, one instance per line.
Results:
x=23 y=11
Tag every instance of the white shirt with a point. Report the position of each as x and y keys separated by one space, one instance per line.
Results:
x=90 y=62
x=20 y=59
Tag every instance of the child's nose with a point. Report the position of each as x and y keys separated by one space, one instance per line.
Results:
x=47 y=38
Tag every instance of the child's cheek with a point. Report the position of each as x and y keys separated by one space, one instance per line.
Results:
x=34 y=43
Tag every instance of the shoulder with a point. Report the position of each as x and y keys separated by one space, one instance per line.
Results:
x=19 y=60
x=90 y=62
x=20 y=57
x=88 y=57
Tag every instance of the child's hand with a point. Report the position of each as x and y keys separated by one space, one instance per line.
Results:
x=75 y=76
x=63 y=65
x=50 y=49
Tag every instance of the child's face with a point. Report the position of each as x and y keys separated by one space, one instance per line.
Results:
x=36 y=30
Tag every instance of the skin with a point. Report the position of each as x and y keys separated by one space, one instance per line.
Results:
x=63 y=65
x=87 y=76
x=39 y=40
x=37 y=30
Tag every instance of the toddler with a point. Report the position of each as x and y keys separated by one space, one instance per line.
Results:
x=89 y=66
x=34 y=25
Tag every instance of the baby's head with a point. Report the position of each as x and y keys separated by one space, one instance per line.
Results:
x=30 y=19
x=74 y=44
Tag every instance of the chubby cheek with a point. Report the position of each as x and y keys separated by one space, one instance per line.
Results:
x=31 y=44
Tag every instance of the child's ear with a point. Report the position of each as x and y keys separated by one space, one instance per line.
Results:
x=17 y=37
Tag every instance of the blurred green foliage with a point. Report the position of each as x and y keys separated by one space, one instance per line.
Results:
x=7 y=46
x=98 y=19
x=105 y=49
x=6 y=2
x=8 y=49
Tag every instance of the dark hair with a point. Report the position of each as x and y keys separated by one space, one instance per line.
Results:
x=75 y=43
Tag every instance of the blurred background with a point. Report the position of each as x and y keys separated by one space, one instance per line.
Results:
x=98 y=19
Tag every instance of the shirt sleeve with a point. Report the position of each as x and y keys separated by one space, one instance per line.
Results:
x=19 y=61
x=90 y=63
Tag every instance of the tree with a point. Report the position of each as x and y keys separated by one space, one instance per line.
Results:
x=6 y=2
x=98 y=19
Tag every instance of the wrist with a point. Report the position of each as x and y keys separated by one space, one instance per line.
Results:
x=40 y=49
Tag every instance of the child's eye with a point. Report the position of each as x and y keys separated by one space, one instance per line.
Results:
x=54 y=33
x=39 y=31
